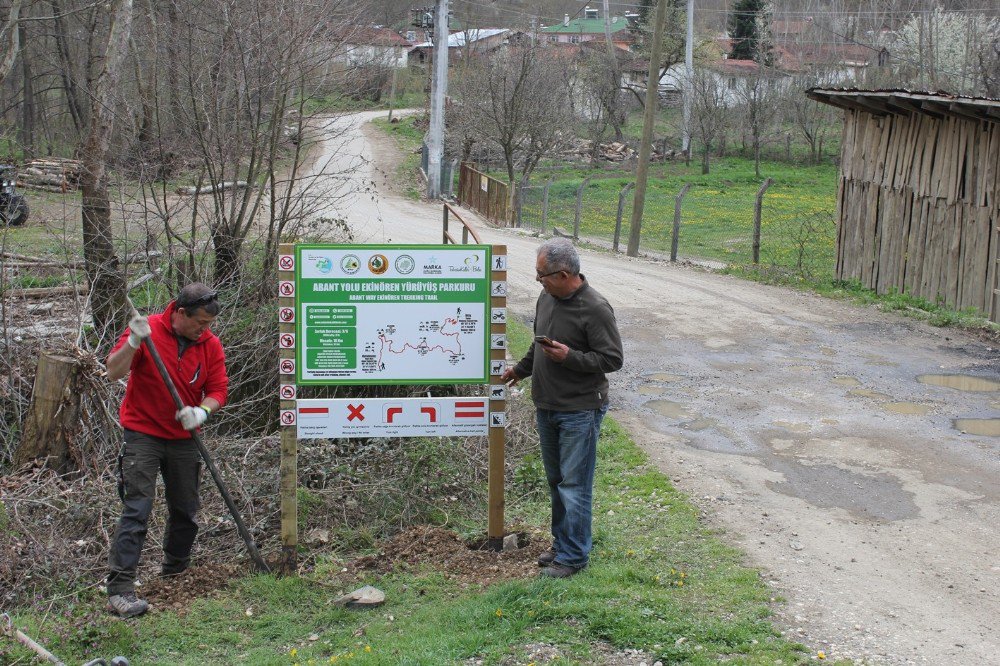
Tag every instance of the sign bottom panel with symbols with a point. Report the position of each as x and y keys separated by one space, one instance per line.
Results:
x=392 y=417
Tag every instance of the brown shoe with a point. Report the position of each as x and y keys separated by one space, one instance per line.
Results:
x=547 y=557
x=556 y=570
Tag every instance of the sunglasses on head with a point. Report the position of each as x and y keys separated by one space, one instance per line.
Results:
x=201 y=300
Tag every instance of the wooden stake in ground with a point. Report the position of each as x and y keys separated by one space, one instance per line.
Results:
x=54 y=414
x=648 y=116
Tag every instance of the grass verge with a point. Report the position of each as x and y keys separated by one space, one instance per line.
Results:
x=408 y=136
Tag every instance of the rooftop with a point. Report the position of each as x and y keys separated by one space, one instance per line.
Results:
x=907 y=102
x=579 y=26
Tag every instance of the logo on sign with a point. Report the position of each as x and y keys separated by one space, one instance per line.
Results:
x=286 y=288
x=287 y=366
x=286 y=262
x=286 y=315
x=287 y=417
x=287 y=392
x=405 y=264
x=324 y=265
x=286 y=341
x=378 y=264
x=350 y=264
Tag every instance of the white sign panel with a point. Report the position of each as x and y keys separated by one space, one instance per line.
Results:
x=392 y=417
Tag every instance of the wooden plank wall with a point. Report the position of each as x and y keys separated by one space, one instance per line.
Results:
x=493 y=203
x=919 y=207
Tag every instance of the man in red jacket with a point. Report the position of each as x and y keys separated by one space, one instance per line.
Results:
x=156 y=433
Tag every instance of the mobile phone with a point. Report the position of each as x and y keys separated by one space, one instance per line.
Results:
x=542 y=339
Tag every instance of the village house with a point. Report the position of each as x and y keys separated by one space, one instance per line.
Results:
x=586 y=29
x=374 y=46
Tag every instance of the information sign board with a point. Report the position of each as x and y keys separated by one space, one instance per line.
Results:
x=392 y=314
x=392 y=417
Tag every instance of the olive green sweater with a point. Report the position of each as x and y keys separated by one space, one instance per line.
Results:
x=584 y=322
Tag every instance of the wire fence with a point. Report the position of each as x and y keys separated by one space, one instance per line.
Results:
x=789 y=229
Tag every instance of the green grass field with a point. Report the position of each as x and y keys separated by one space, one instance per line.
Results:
x=717 y=214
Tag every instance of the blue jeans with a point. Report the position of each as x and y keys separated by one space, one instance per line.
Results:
x=569 y=453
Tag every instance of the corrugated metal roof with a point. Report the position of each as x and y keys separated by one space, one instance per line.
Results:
x=905 y=102
x=586 y=26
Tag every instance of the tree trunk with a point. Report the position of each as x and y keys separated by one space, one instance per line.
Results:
x=53 y=419
x=227 y=258
x=704 y=159
x=107 y=281
x=10 y=38
x=76 y=111
x=27 y=99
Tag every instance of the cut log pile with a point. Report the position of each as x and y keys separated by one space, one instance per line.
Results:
x=616 y=151
x=52 y=174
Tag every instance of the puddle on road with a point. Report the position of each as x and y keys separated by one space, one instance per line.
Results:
x=880 y=497
x=878 y=360
x=865 y=393
x=986 y=427
x=793 y=427
x=845 y=380
x=663 y=377
x=961 y=382
x=831 y=422
x=908 y=408
x=670 y=409
x=700 y=424
x=650 y=390
x=828 y=351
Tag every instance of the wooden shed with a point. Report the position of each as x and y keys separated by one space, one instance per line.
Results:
x=918 y=201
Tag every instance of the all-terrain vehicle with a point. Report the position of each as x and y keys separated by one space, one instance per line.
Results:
x=13 y=207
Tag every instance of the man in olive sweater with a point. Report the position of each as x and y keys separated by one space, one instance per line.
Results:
x=576 y=343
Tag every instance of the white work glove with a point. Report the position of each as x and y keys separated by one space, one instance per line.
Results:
x=192 y=417
x=138 y=331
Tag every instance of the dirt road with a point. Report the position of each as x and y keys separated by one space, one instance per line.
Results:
x=818 y=434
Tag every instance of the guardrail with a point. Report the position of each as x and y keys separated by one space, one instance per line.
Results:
x=466 y=229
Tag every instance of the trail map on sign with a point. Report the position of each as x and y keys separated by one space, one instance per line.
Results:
x=369 y=314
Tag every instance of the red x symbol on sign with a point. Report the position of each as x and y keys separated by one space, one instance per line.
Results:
x=355 y=412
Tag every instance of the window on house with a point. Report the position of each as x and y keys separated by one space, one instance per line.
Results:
x=574 y=39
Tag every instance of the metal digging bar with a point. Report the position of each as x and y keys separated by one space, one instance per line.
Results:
x=240 y=526
x=7 y=629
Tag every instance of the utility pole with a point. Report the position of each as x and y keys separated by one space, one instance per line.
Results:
x=607 y=29
x=688 y=79
x=439 y=90
x=648 y=116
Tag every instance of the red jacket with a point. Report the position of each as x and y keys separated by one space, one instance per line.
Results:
x=198 y=374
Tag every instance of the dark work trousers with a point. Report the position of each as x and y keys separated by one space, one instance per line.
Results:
x=142 y=457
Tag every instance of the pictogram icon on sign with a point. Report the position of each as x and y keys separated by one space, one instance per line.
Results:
x=499 y=316
x=499 y=288
x=497 y=367
x=287 y=392
x=286 y=262
x=431 y=412
x=286 y=315
x=498 y=341
x=500 y=262
x=391 y=413
x=288 y=417
x=498 y=392
x=498 y=419
x=286 y=288
x=287 y=366
x=355 y=412
x=470 y=409
x=286 y=340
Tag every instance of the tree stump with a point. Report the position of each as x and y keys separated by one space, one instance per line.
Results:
x=53 y=418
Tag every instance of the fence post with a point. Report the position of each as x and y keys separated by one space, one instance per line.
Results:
x=756 y=219
x=545 y=203
x=675 y=238
x=444 y=220
x=522 y=187
x=579 y=205
x=621 y=210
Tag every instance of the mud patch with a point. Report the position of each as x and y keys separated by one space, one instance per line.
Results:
x=663 y=377
x=865 y=393
x=878 y=497
x=670 y=409
x=906 y=408
x=177 y=593
x=444 y=551
x=845 y=380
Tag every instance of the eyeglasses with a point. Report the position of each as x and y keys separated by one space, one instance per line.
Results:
x=201 y=300
x=539 y=276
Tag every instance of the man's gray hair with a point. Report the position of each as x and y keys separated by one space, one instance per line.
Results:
x=560 y=255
